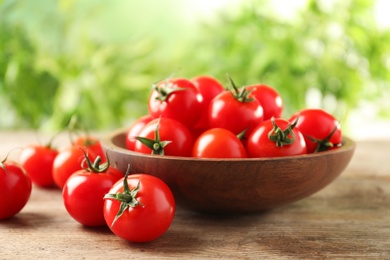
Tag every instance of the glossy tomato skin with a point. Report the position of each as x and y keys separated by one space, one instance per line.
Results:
x=83 y=195
x=225 y=111
x=169 y=130
x=259 y=145
x=92 y=144
x=318 y=124
x=135 y=129
x=15 y=189
x=218 y=143
x=269 y=99
x=38 y=162
x=184 y=105
x=67 y=162
x=149 y=220
x=208 y=87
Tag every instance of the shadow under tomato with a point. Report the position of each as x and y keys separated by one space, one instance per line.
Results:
x=26 y=220
x=96 y=230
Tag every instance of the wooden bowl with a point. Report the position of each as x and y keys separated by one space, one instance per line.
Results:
x=235 y=185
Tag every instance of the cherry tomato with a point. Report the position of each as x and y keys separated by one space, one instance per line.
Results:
x=165 y=136
x=208 y=87
x=177 y=99
x=139 y=208
x=134 y=130
x=92 y=144
x=269 y=99
x=218 y=143
x=38 y=161
x=235 y=111
x=84 y=191
x=320 y=129
x=15 y=189
x=276 y=138
x=67 y=162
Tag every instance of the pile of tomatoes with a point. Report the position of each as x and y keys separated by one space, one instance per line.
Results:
x=187 y=117
x=137 y=207
x=201 y=118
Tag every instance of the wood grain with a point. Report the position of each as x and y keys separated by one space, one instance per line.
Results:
x=350 y=218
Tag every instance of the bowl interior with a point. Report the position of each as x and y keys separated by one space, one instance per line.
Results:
x=235 y=185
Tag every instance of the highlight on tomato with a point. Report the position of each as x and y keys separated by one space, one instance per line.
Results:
x=269 y=99
x=235 y=110
x=208 y=87
x=164 y=136
x=85 y=189
x=91 y=143
x=320 y=129
x=68 y=161
x=135 y=129
x=37 y=161
x=275 y=138
x=176 y=98
x=218 y=143
x=139 y=207
x=15 y=188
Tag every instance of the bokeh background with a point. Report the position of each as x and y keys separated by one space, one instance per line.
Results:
x=98 y=59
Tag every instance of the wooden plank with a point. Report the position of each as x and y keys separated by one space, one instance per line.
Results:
x=349 y=218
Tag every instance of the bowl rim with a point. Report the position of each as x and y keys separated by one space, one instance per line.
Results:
x=107 y=143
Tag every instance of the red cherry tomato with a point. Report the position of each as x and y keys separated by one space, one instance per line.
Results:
x=177 y=99
x=15 y=189
x=320 y=129
x=37 y=160
x=67 y=162
x=208 y=88
x=84 y=191
x=218 y=143
x=139 y=208
x=92 y=144
x=235 y=111
x=134 y=130
x=275 y=138
x=167 y=137
x=269 y=99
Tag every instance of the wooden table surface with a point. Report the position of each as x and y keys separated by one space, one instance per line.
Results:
x=348 y=219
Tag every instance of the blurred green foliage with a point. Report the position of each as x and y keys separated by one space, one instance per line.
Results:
x=62 y=58
x=337 y=50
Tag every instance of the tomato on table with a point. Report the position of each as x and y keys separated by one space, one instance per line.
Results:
x=269 y=99
x=67 y=162
x=135 y=129
x=164 y=136
x=92 y=144
x=85 y=189
x=38 y=161
x=320 y=129
x=176 y=98
x=218 y=143
x=235 y=111
x=139 y=208
x=275 y=138
x=15 y=189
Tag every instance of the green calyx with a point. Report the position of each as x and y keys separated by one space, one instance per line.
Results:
x=241 y=94
x=96 y=166
x=165 y=91
x=282 y=137
x=128 y=197
x=157 y=146
x=324 y=144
